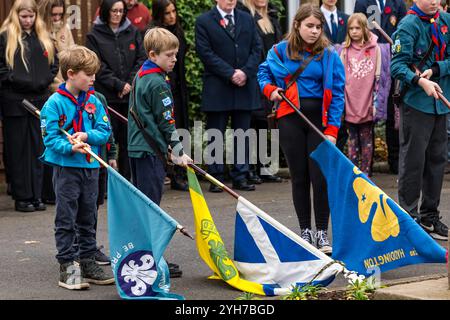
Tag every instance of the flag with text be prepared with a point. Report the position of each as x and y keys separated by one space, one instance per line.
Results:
x=139 y=232
x=369 y=229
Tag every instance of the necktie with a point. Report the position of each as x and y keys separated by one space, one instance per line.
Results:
x=334 y=29
x=381 y=2
x=231 y=28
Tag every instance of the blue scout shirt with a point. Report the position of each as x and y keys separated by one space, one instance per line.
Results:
x=85 y=114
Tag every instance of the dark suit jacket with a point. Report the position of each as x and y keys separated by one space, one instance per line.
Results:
x=221 y=54
x=394 y=11
x=342 y=27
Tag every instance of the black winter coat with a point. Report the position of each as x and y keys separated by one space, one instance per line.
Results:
x=221 y=54
x=18 y=83
x=121 y=55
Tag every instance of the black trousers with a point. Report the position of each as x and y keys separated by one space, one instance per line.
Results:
x=239 y=120
x=392 y=135
x=423 y=157
x=121 y=138
x=297 y=141
x=23 y=147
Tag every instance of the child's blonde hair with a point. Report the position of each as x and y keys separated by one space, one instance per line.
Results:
x=361 y=19
x=14 y=30
x=159 y=40
x=78 y=58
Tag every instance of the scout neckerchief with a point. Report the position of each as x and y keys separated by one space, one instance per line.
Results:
x=150 y=67
x=81 y=105
x=436 y=34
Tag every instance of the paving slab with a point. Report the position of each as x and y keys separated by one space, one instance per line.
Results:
x=434 y=289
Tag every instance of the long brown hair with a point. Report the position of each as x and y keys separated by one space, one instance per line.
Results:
x=46 y=11
x=13 y=31
x=361 y=19
x=295 y=42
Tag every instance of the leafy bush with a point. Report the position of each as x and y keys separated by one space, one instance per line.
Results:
x=189 y=10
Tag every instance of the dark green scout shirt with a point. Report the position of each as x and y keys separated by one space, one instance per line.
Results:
x=154 y=107
x=411 y=42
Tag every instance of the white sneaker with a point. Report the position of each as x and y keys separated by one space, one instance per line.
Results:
x=323 y=244
x=308 y=236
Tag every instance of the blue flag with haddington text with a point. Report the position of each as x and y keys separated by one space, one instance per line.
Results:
x=369 y=229
x=139 y=232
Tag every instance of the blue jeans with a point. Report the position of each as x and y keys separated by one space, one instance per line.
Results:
x=76 y=192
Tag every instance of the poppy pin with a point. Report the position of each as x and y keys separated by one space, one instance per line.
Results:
x=90 y=108
x=387 y=10
x=444 y=29
x=132 y=47
x=222 y=23
x=46 y=53
x=341 y=21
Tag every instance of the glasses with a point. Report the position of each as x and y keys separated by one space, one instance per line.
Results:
x=117 y=11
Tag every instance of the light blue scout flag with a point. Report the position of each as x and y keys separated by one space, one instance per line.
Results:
x=369 y=229
x=268 y=253
x=139 y=232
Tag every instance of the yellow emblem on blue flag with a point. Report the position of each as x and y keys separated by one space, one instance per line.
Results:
x=372 y=199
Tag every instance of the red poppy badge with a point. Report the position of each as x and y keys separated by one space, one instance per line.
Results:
x=132 y=47
x=444 y=29
x=223 y=23
x=90 y=108
x=387 y=10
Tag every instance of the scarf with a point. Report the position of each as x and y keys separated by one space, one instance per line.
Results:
x=436 y=34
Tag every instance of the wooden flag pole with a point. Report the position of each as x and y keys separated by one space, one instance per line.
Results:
x=194 y=167
x=382 y=32
x=388 y=39
x=118 y=115
x=35 y=111
x=213 y=180
x=289 y=102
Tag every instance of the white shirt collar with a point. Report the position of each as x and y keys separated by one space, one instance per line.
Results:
x=223 y=13
x=328 y=13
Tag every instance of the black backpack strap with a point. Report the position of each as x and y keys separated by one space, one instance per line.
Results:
x=148 y=138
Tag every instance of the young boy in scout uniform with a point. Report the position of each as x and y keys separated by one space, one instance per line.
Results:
x=423 y=135
x=152 y=103
x=75 y=173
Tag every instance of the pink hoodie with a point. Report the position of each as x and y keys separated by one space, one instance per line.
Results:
x=361 y=66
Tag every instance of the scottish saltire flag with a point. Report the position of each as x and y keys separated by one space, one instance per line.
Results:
x=369 y=229
x=267 y=252
x=139 y=232
x=269 y=259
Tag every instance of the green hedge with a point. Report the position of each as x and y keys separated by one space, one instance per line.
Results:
x=189 y=10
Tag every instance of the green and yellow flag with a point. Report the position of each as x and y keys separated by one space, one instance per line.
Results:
x=210 y=245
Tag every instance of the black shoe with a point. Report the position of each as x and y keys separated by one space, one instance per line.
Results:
x=243 y=185
x=39 y=205
x=447 y=169
x=179 y=185
x=271 y=178
x=49 y=201
x=24 y=206
x=174 y=270
x=101 y=258
x=253 y=178
x=93 y=273
x=8 y=189
x=435 y=228
x=215 y=189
